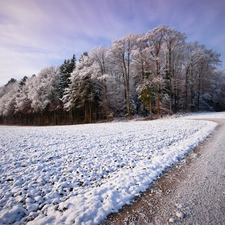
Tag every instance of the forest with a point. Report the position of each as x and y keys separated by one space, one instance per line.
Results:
x=150 y=75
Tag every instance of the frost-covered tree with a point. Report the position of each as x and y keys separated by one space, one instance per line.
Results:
x=216 y=95
x=208 y=60
x=84 y=91
x=152 y=73
x=102 y=73
x=198 y=65
x=8 y=98
x=23 y=81
x=121 y=54
x=23 y=103
x=11 y=81
x=155 y=61
x=65 y=72
x=43 y=94
x=173 y=41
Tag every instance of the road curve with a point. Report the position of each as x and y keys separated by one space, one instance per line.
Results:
x=192 y=192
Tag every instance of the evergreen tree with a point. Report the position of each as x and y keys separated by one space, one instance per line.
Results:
x=65 y=73
x=12 y=80
x=22 y=82
x=85 y=91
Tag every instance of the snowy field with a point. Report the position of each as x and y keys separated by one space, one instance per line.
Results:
x=206 y=115
x=79 y=174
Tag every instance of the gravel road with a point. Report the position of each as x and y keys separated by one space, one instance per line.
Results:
x=192 y=192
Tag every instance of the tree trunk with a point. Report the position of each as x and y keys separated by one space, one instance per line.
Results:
x=150 y=109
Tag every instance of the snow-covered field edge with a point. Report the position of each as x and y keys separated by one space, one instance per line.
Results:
x=111 y=196
x=116 y=162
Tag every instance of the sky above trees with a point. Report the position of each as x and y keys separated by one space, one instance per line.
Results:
x=35 y=34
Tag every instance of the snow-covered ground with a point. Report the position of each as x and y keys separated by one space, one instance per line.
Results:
x=206 y=115
x=79 y=174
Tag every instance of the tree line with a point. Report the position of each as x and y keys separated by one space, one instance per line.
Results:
x=151 y=75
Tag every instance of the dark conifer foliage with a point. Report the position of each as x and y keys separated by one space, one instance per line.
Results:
x=65 y=71
x=12 y=80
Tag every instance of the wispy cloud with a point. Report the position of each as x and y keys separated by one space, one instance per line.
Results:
x=34 y=34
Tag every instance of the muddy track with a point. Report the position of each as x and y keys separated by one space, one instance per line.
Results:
x=191 y=192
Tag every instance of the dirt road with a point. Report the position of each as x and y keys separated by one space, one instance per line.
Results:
x=192 y=192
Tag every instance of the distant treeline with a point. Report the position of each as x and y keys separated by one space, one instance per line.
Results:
x=150 y=74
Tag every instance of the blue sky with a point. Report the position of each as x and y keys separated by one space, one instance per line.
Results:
x=39 y=33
